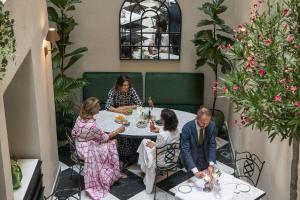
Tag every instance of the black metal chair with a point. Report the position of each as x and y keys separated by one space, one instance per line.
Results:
x=74 y=155
x=248 y=166
x=170 y=153
x=65 y=193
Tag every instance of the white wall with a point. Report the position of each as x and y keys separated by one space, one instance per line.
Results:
x=31 y=25
x=21 y=113
x=275 y=177
x=99 y=31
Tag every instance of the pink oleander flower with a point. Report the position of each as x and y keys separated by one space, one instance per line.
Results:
x=278 y=98
x=241 y=28
x=220 y=47
x=253 y=18
x=293 y=89
x=262 y=72
x=285 y=11
x=297 y=104
x=247 y=65
x=290 y=80
x=228 y=46
x=282 y=80
x=249 y=120
x=225 y=88
x=288 y=69
x=290 y=38
x=268 y=42
x=235 y=87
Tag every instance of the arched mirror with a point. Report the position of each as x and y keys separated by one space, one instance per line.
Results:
x=150 y=30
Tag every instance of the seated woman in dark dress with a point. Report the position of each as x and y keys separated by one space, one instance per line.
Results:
x=121 y=98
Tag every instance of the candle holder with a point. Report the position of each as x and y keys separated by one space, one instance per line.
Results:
x=208 y=185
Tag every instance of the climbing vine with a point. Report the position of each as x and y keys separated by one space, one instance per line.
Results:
x=7 y=40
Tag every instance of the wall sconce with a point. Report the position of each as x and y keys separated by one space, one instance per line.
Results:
x=52 y=36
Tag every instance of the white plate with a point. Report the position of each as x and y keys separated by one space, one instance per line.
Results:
x=243 y=187
x=185 y=189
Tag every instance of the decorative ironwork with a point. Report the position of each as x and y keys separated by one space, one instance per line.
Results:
x=150 y=30
x=251 y=166
x=171 y=153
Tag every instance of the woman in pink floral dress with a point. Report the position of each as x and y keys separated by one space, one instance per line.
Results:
x=99 y=152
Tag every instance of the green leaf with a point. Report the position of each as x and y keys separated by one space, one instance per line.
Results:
x=220 y=9
x=70 y=26
x=73 y=59
x=200 y=62
x=52 y=14
x=56 y=60
x=225 y=29
x=218 y=20
x=77 y=51
x=207 y=9
x=218 y=2
x=225 y=40
x=205 y=22
x=59 y=3
x=227 y=66
x=71 y=8
x=204 y=35
x=75 y=1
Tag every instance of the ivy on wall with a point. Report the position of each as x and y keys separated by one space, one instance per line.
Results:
x=7 y=40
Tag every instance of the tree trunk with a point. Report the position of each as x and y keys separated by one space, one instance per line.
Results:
x=294 y=170
x=215 y=91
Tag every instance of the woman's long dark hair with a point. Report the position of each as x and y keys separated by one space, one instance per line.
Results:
x=121 y=80
x=170 y=120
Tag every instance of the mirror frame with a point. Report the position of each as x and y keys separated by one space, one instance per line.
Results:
x=137 y=3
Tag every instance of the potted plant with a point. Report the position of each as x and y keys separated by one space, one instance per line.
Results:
x=209 y=41
x=64 y=86
x=7 y=40
x=265 y=85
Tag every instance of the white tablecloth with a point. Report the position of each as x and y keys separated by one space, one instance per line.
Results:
x=228 y=187
x=105 y=120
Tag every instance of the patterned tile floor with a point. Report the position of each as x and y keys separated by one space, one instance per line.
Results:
x=133 y=187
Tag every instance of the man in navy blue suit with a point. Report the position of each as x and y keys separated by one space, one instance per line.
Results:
x=198 y=144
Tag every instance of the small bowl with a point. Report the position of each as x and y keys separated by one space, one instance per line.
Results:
x=141 y=125
x=125 y=123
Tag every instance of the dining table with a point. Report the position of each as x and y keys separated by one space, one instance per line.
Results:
x=106 y=120
x=229 y=188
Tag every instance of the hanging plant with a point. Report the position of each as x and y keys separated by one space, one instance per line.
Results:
x=7 y=40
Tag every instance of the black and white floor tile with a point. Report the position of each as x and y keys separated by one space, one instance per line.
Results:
x=133 y=188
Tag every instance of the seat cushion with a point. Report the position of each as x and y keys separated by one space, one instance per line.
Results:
x=99 y=84
x=181 y=91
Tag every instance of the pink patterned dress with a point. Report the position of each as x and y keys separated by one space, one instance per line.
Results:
x=100 y=155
